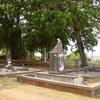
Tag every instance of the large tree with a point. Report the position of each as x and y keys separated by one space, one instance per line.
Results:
x=43 y=21
x=11 y=13
x=65 y=19
x=45 y=26
x=71 y=19
x=82 y=22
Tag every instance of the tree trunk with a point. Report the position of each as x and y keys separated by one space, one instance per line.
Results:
x=8 y=54
x=31 y=55
x=15 y=52
x=81 y=50
x=16 y=46
x=44 y=55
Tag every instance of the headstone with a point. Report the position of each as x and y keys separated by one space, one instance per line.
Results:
x=9 y=63
x=9 y=66
x=57 y=58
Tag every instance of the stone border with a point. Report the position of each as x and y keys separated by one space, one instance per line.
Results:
x=62 y=86
x=14 y=73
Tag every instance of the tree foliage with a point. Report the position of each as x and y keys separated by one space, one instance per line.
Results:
x=10 y=20
x=36 y=24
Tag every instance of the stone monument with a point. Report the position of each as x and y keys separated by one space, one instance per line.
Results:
x=9 y=63
x=57 y=58
x=9 y=66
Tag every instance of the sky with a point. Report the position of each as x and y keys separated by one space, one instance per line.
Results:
x=94 y=55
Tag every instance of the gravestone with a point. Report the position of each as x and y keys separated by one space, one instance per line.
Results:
x=57 y=58
x=9 y=63
x=9 y=66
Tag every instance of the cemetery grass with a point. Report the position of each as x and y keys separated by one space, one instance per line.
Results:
x=10 y=89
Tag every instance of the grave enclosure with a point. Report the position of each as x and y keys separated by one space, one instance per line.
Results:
x=10 y=70
x=59 y=78
x=80 y=81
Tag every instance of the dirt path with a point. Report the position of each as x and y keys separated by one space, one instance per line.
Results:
x=38 y=93
x=16 y=91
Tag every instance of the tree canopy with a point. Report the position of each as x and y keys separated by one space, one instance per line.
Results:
x=29 y=25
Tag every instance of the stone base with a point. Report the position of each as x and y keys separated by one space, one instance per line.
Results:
x=67 y=87
x=4 y=74
x=57 y=72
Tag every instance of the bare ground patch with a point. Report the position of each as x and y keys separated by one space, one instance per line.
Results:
x=12 y=90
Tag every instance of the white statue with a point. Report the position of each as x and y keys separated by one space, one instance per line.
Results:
x=8 y=63
x=62 y=66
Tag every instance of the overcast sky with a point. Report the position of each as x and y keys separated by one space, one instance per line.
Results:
x=97 y=50
x=96 y=53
